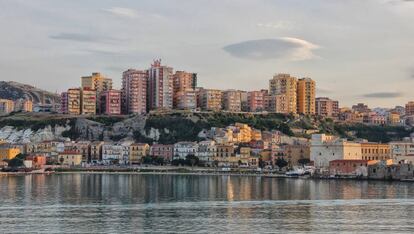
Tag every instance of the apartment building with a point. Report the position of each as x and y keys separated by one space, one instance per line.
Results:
x=210 y=99
x=286 y=85
x=88 y=101
x=255 y=100
x=231 y=101
x=160 y=86
x=306 y=96
x=110 y=102
x=97 y=82
x=326 y=107
x=134 y=91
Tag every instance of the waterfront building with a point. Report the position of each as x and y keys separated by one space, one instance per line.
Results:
x=83 y=148
x=326 y=107
x=210 y=99
x=224 y=153
x=6 y=106
x=70 y=158
x=348 y=167
x=112 y=153
x=284 y=84
x=96 y=151
x=160 y=86
x=184 y=149
x=96 y=82
x=402 y=151
x=206 y=151
x=326 y=148
x=137 y=152
x=134 y=91
x=306 y=96
x=255 y=100
x=231 y=101
x=110 y=102
x=294 y=153
x=8 y=152
x=88 y=101
x=163 y=151
x=375 y=151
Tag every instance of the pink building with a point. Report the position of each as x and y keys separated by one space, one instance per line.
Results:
x=186 y=100
x=134 y=91
x=163 y=151
x=110 y=102
x=38 y=161
x=160 y=86
x=255 y=100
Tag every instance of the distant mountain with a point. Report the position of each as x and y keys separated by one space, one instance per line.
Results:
x=14 y=90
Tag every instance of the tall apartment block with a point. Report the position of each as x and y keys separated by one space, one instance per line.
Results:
x=255 y=100
x=88 y=101
x=160 y=86
x=96 y=82
x=276 y=103
x=110 y=102
x=72 y=102
x=306 y=96
x=134 y=91
x=24 y=105
x=409 y=108
x=210 y=99
x=284 y=84
x=184 y=94
x=231 y=100
x=326 y=107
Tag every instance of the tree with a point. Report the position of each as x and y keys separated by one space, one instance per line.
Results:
x=303 y=161
x=261 y=163
x=17 y=161
x=61 y=160
x=147 y=160
x=192 y=160
x=281 y=163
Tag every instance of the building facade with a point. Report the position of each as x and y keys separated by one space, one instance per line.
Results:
x=160 y=86
x=286 y=85
x=110 y=102
x=210 y=99
x=326 y=107
x=306 y=96
x=134 y=91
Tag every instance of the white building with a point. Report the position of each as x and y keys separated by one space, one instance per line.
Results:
x=325 y=148
x=402 y=151
x=184 y=148
x=115 y=152
x=206 y=152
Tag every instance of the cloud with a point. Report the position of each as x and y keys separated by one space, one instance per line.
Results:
x=383 y=95
x=323 y=91
x=279 y=48
x=122 y=12
x=277 y=25
x=79 y=37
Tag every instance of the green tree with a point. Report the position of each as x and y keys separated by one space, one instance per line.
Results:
x=281 y=163
x=303 y=161
x=17 y=161
x=192 y=160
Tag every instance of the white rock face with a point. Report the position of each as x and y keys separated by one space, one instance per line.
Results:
x=13 y=135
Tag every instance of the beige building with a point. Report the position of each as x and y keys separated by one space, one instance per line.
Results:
x=286 y=85
x=294 y=153
x=96 y=82
x=6 y=106
x=96 y=151
x=375 y=151
x=184 y=84
x=231 y=101
x=306 y=96
x=185 y=100
x=326 y=107
x=74 y=101
x=276 y=104
x=326 y=148
x=88 y=101
x=70 y=158
x=409 y=108
x=137 y=151
x=210 y=99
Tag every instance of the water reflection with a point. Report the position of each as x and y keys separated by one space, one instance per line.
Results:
x=135 y=203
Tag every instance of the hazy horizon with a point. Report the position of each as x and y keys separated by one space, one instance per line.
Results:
x=356 y=51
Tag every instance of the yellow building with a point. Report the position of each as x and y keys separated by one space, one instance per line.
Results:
x=70 y=158
x=306 y=96
x=8 y=153
x=394 y=118
x=6 y=106
x=375 y=151
x=88 y=101
x=284 y=84
x=294 y=153
x=137 y=151
x=96 y=82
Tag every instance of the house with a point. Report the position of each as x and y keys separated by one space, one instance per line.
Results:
x=70 y=158
x=184 y=148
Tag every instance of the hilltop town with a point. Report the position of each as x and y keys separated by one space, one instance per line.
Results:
x=162 y=117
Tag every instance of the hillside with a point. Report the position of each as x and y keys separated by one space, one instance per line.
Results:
x=14 y=90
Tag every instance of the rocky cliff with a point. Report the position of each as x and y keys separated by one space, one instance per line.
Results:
x=14 y=90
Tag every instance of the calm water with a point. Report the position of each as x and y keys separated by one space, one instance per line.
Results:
x=83 y=203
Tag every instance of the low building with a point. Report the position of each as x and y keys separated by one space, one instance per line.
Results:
x=207 y=151
x=375 y=151
x=6 y=106
x=385 y=171
x=8 y=152
x=184 y=148
x=294 y=153
x=349 y=167
x=163 y=151
x=402 y=151
x=137 y=152
x=70 y=158
x=38 y=161
x=96 y=151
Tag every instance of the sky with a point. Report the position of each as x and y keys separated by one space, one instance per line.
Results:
x=356 y=50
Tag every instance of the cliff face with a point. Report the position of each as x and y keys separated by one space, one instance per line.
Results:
x=14 y=90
